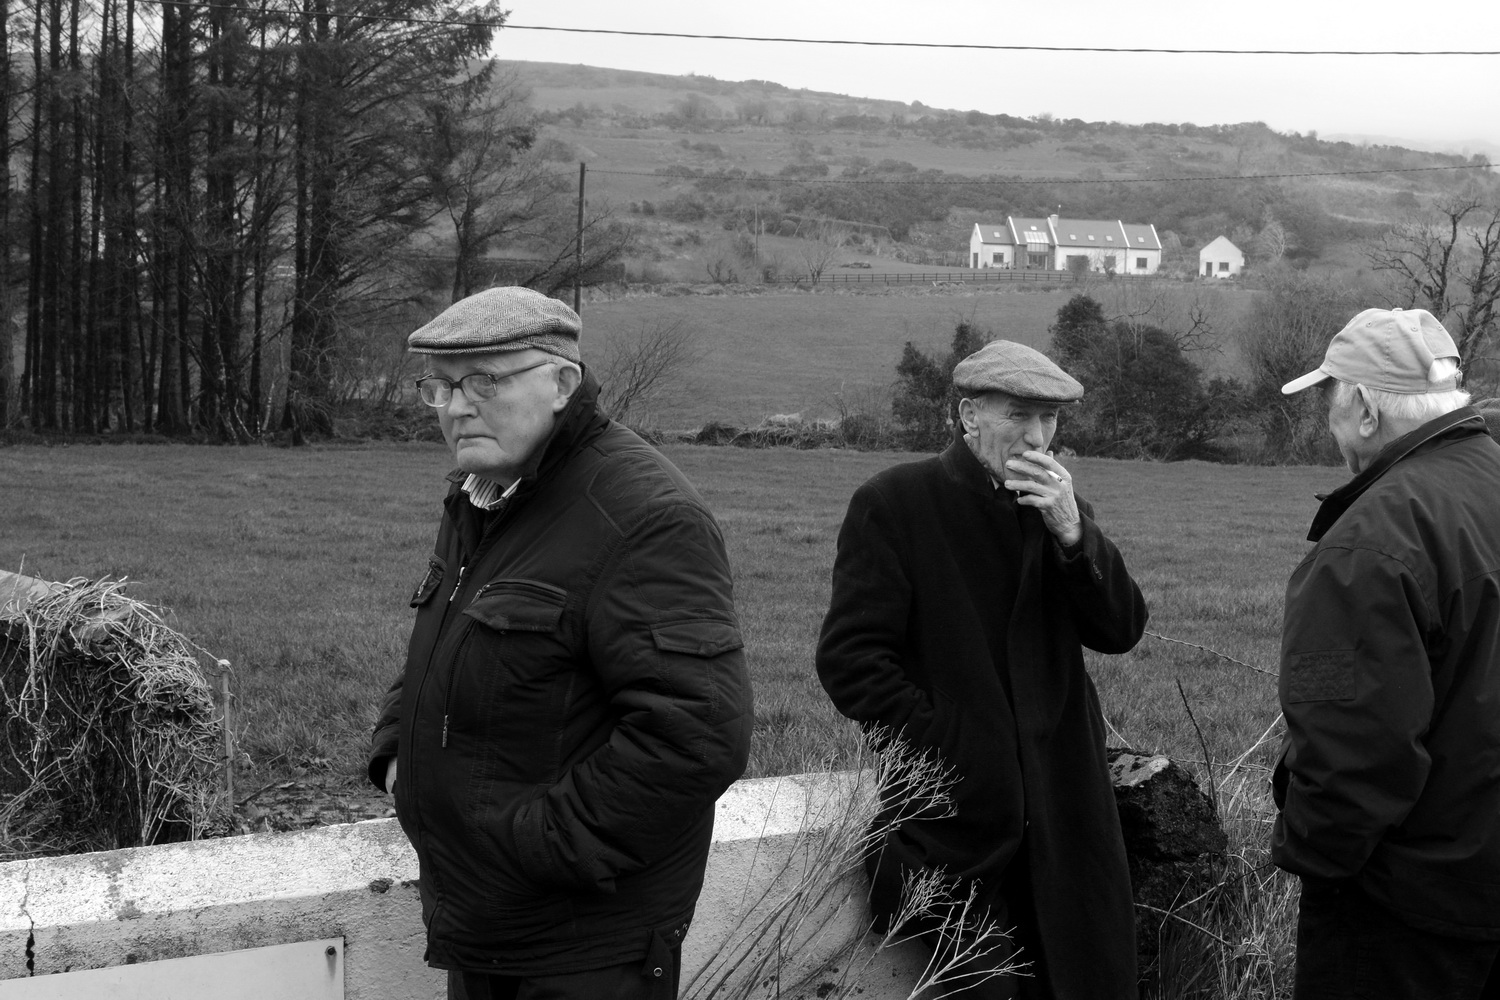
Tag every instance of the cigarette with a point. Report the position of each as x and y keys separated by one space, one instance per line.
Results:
x=1053 y=474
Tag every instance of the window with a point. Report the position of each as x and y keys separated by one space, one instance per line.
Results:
x=1091 y=237
x=1223 y=265
x=1109 y=239
x=1072 y=237
x=998 y=257
x=1141 y=264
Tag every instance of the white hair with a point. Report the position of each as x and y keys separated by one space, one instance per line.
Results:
x=1416 y=406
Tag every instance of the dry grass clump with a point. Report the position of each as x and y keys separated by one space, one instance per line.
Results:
x=109 y=736
x=805 y=934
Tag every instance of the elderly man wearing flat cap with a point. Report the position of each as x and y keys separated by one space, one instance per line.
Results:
x=1389 y=781
x=575 y=695
x=964 y=589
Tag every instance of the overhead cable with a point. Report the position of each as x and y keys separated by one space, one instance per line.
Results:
x=961 y=182
x=500 y=23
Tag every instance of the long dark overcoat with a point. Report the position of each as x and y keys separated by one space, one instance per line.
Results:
x=957 y=621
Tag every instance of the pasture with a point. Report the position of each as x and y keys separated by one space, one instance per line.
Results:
x=796 y=352
x=296 y=565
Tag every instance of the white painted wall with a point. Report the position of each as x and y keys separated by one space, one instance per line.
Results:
x=358 y=882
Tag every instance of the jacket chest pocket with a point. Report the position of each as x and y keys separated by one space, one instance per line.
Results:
x=514 y=678
x=435 y=569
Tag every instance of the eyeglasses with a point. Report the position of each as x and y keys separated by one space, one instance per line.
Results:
x=477 y=386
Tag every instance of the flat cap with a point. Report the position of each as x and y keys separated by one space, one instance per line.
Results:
x=501 y=319
x=1016 y=370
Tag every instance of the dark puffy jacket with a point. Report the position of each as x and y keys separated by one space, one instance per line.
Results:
x=1390 y=682
x=574 y=700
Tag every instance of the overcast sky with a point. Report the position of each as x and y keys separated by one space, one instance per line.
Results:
x=1443 y=99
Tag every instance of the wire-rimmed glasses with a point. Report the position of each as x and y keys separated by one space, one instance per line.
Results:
x=477 y=386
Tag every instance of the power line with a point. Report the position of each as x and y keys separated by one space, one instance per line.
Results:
x=958 y=182
x=1008 y=48
x=791 y=40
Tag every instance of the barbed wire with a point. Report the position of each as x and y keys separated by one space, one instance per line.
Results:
x=1215 y=652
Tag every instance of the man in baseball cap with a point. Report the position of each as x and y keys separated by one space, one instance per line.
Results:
x=1389 y=780
x=575 y=696
x=964 y=588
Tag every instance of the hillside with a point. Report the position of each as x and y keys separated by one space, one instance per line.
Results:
x=695 y=160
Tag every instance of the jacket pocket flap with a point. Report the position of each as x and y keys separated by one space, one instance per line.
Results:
x=429 y=584
x=519 y=606
x=697 y=637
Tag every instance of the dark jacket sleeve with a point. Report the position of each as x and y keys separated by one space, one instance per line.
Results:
x=1107 y=607
x=859 y=657
x=1356 y=690
x=383 y=743
x=665 y=641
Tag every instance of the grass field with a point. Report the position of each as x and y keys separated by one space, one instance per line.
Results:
x=296 y=566
x=794 y=352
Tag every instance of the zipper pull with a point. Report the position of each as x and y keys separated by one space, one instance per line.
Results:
x=457 y=584
x=445 y=731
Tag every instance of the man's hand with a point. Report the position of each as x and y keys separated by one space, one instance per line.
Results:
x=390 y=776
x=1043 y=483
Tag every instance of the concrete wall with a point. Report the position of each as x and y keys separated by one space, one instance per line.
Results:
x=358 y=881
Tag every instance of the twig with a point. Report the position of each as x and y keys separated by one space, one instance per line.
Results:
x=1222 y=656
x=1185 y=920
x=1208 y=757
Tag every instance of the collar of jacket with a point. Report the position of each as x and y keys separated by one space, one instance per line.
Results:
x=578 y=424
x=962 y=465
x=1462 y=422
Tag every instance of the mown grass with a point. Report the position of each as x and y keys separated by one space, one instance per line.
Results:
x=296 y=566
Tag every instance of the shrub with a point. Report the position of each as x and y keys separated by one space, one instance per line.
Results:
x=924 y=405
x=1144 y=398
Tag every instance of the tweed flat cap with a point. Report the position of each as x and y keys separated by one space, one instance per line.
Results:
x=1016 y=370
x=501 y=319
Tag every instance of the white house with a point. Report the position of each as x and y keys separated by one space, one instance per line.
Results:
x=1220 y=259
x=1051 y=243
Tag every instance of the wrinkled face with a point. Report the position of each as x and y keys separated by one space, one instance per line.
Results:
x=495 y=437
x=1003 y=427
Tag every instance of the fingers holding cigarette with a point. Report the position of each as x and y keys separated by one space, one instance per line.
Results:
x=1047 y=487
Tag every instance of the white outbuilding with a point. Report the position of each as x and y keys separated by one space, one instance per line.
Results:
x=1220 y=259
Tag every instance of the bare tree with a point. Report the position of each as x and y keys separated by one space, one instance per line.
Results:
x=1448 y=262
x=638 y=369
x=486 y=185
x=819 y=255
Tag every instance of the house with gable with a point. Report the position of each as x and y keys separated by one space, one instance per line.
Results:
x=1220 y=259
x=1051 y=243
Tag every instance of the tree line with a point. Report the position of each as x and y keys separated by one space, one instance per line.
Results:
x=211 y=209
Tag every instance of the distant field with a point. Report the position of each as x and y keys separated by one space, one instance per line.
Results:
x=792 y=351
x=296 y=566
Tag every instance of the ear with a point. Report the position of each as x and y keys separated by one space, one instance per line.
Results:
x=568 y=380
x=1369 y=418
x=968 y=415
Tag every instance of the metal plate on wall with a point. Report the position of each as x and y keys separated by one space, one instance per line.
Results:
x=305 y=970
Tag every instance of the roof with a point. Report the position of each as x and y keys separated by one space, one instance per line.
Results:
x=993 y=232
x=1219 y=244
x=1094 y=233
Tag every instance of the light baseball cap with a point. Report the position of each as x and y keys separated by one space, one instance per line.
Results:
x=1389 y=349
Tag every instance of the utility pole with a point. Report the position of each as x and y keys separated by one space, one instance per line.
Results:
x=578 y=250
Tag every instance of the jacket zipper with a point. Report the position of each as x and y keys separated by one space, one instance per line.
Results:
x=448 y=694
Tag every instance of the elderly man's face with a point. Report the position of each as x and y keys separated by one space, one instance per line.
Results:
x=495 y=437
x=1000 y=427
